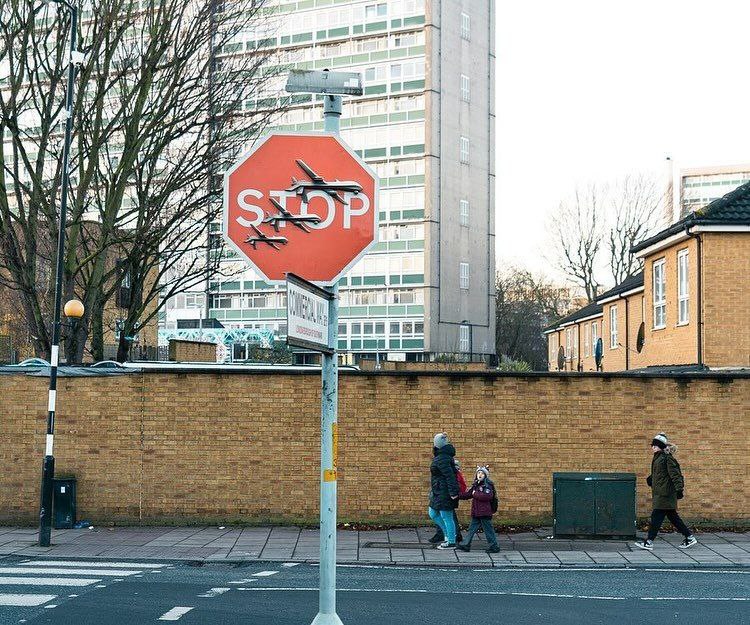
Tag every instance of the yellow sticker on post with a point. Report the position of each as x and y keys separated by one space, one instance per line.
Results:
x=329 y=475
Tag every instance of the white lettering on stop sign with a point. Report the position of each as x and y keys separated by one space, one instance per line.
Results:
x=355 y=205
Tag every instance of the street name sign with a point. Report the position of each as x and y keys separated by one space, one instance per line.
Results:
x=300 y=203
x=307 y=315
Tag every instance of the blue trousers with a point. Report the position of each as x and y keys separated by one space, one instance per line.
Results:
x=489 y=531
x=444 y=520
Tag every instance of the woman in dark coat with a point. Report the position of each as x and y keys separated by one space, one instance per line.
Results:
x=667 y=486
x=443 y=489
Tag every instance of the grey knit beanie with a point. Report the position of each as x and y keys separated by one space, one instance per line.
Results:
x=440 y=440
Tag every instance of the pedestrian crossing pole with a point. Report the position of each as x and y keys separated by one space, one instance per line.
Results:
x=48 y=466
x=329 y=402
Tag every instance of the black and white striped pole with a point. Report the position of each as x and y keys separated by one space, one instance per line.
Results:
x=48 y=466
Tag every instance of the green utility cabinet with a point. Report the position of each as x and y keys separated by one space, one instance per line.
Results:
x=593 y=504
x=64 y=503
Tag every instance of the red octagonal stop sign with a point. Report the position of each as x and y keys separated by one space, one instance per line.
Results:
x=302 y=204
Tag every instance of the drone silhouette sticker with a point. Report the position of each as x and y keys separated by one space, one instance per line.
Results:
x=303 y=204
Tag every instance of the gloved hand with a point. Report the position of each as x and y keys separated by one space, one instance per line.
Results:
x=649 y=480
x=680 y=494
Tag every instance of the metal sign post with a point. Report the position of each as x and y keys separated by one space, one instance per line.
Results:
x=329 y=405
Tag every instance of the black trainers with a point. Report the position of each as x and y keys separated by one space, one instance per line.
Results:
x=648 y=545
x=461 y=547
x=688 y=542
x=493 y=549
x=437 y=538
x=446 y=545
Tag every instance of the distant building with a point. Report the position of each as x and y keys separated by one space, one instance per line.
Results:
x=689 y=306
x=699 y=186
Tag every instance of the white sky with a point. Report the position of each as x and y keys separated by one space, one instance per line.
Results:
x=591 y=90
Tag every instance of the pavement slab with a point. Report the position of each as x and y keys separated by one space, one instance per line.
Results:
x=408 y=546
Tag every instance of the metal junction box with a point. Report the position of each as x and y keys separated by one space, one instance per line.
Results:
x=64 y=503
x=593 y=504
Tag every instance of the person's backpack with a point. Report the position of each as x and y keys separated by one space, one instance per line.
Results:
x=493 y=501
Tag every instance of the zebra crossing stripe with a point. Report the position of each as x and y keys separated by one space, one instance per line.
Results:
x=83 y=564
x=25 y=600
x=21 y=570
x=174 y=614
x=46 y=581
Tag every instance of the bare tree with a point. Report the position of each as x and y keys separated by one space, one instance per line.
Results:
x=635 y=205
x=596 y=228
x=578 y=230
x=161 y=107
x=524 y=306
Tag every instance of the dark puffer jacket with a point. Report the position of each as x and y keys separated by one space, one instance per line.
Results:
x=444 y=484
x=481 y=494
x=666 y=481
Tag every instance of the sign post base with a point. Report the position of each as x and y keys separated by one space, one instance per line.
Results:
x=327 y=619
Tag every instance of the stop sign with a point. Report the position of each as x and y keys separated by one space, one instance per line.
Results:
x=302 y=204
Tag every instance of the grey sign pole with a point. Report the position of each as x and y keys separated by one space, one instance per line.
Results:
x=329 y=402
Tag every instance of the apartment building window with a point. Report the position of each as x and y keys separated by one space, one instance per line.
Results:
x=465 y=27
x=464 y=157
x=683 y=291
x=464 y=275
x=463 y=212
x=613 y=327
x=660 y=296
x=586 y=342
x=465 y=88
x=463 y=341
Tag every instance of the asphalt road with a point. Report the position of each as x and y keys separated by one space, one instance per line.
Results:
x=112 y=593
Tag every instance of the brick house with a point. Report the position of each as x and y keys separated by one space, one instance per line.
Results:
x=689 y=306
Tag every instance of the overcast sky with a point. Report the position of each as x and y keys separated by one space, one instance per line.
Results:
x=590 y=90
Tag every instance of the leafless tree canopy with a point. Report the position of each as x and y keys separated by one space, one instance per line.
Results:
x=525 y=305
x=159 y=112
x=597 y=227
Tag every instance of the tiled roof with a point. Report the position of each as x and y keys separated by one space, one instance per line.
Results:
x=582 y=313
x=628 y=284
x=732 y=209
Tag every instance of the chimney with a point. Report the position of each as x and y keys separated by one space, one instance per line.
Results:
x=669 y=208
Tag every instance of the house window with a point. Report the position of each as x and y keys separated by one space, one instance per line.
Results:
x=463 y=212
x=613 y=327
x=660 y=297
x=594 y=335
x=464 y=275
x=465 y=26
x=463 y=343
x=586 y=342
x=464 y=157
x=683 y=291
x=465 y=88
x=569 y=344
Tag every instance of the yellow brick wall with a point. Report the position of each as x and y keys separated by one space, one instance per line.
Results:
x=726 y=299
x=191 y=351
x=164 y=447
x=674 y=344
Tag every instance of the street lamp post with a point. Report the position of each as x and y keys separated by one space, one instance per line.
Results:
x=48 y=467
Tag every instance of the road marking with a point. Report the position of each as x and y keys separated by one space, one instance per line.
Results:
x=87 y=563
x=25 y=600
x=100 y=586
x=174 y=614
x=46 y=581
x=214 y=592
x=52 y=571
x=264 y=573
x=243 y=581
x=290 y=564
x=72 y=596
x=577 y=569
x=50 y=606
x=499 y=593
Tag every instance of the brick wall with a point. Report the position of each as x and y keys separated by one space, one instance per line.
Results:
x=726 y=303
x=191 y=351
x=169 y=447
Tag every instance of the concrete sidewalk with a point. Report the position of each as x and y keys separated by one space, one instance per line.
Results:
x=407 y=546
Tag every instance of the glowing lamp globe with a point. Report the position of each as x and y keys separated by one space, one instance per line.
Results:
x=73 y=309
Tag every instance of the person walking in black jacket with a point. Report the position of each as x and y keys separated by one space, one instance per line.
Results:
x=444 y=489
x=667 y=486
